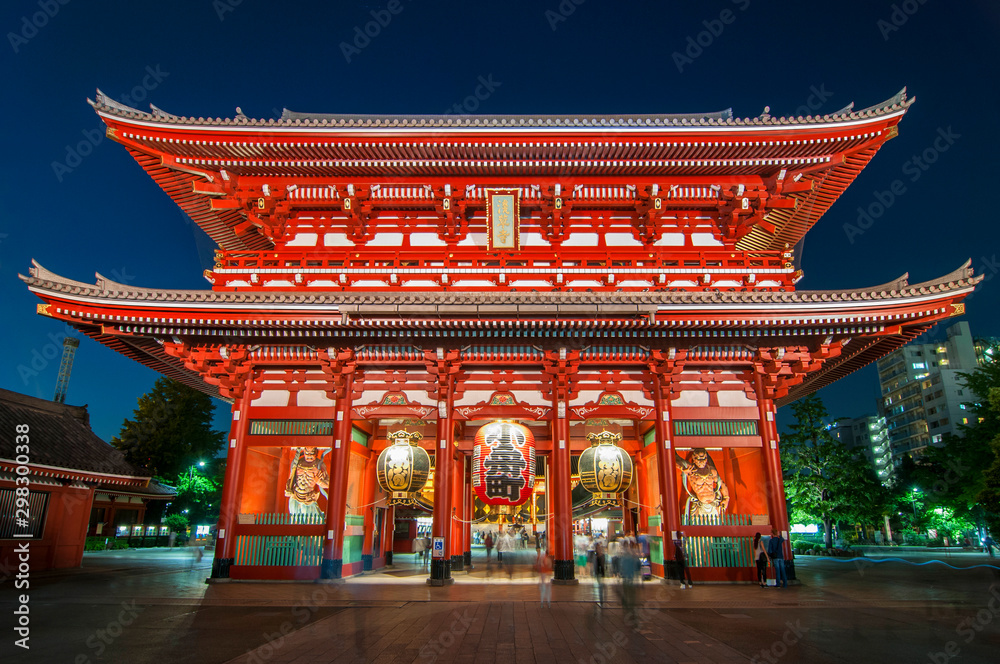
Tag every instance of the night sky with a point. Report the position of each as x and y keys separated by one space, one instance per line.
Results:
x=93 y=209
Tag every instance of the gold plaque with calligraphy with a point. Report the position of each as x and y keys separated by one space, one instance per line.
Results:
x=503 y=217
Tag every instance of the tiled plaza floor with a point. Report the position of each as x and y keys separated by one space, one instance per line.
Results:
x=842 y=612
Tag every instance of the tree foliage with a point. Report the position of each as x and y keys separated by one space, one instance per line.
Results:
x=824 y=480
x=985 y=382
x=199 y=492
x=171 y=430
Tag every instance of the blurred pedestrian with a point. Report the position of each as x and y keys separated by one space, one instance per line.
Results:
x=599 y=570
x=629 y=565
x=489 y=546
x=418 y=549
x=196 y=553
x=680 y=557
x=544 y=567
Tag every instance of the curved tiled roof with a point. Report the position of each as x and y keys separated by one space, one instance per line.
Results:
x=61 y=438
x=898 y=102
x=108 y=290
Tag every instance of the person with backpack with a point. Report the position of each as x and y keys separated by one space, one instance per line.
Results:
x=776 y=552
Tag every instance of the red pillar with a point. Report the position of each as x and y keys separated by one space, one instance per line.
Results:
x=441 y=567
x=627 y=526
x=467 y=511
x=367 y=498
x=777 y=510
x=388 y=534
x=642 y=479
x=560 y=495
x=457 y=510
x=232 y=488
x=336 y=511
x=669 y=510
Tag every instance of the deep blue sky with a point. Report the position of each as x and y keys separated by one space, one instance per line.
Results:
x=107 y=215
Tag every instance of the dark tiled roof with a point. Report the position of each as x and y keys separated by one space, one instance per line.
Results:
x=153 y=490
x=294 y=119
x=59 y=436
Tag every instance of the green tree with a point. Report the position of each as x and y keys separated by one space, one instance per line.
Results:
x=178 y=523
x=171 y=430
x=823 y=479
x=985 y=430
x=199 y=492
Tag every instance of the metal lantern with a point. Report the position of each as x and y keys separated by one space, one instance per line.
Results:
x=403 y=467
x=605 y=468
x=503 y=463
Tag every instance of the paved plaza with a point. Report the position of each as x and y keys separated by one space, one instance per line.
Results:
x=154 y=606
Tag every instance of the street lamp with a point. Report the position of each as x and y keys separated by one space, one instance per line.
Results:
x=913 y=500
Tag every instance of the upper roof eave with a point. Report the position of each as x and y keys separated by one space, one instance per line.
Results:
x=305 y=302
x=416 y=124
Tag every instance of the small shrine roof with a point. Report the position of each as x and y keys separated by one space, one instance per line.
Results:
x=62 y=441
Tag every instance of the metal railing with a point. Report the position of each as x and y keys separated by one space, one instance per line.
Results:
x=281 y=519
x=720 y=552
x=725 y=520
x=279 y=550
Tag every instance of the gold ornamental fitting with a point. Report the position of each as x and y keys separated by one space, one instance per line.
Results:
x=604 y=500
x=404 y=437
x=604 y=437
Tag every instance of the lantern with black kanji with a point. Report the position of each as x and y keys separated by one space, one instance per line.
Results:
x=402 y=468
x=503 y=463
x=605 y=468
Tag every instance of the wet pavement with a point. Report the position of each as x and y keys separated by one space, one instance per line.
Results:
x=154 y=606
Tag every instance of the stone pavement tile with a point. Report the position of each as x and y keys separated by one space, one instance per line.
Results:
x=498 y=632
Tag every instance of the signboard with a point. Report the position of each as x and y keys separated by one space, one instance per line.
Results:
x=438 y=548
x=503 y=218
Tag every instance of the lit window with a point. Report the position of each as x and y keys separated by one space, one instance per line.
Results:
x=919 y=365
x=965 y=420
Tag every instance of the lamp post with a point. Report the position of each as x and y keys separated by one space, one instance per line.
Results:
x=913 y=500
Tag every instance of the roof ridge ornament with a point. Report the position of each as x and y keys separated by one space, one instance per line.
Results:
x=158 y=112
x=105 y=101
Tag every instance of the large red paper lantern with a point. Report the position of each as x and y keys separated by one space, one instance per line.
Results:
x=503 y=463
